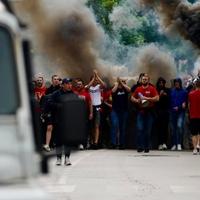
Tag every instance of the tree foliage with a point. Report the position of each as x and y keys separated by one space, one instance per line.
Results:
x=147 y=32
x=102 y=9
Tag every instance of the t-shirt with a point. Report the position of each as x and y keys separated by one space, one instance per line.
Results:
x=39 y=92
x=107 y=99
x=149 y=91
x=52 y=89
x=84 y=95
x=194 y=101
x=95 y=93
x=120 y=100
x=164 y=100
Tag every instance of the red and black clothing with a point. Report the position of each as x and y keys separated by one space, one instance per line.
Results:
x=194 y=111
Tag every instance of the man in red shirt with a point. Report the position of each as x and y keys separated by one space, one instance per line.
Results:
x=84 y=94
x=194 y=113
x=39 y=91
x=144 y=96
x=40 y=88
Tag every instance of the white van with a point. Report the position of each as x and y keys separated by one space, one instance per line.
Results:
x=19 y=160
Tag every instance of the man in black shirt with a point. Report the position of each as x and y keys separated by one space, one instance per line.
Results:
x=119 y=112
x=55 y=84
x=47 y=116
x=162 y=111
x=54 y=105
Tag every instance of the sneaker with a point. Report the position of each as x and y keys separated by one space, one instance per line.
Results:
x=67 y=161
x=160 y=147
x=81 y=147
x=139 y=150
x=112 y=146
x=173 y=148
x=164 y=146
x=46 y=148
x=94 y=146
x=198 y=147
x=88 y=146
x=58 y=161
x=179 y=147
x=146 y=151
x=121 y=147
x=195 y=152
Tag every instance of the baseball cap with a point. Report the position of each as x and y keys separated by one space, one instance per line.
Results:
x=66 y=80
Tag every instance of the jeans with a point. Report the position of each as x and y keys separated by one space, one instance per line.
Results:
x=59 y=151
x=144 y=124
x=177 y=125
x=162 y=126
x=118 y=120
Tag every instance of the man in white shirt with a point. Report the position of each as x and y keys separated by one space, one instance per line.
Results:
x=94 y=87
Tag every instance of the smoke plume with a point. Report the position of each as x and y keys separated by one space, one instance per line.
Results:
x=196 y=67
x=155 y=62
x=66 y=34
x=122 y=16
x=179 y=16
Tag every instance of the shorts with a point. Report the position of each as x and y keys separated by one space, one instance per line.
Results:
x=195 y=126
x=46 y=118
x=96 y=114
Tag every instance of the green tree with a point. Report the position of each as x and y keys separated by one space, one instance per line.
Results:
x=147 y=33
x=102 y=9
x=109 y=4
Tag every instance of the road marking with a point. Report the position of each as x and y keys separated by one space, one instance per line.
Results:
x=60 y=188
x=62 y=181
x=184 y=189
x=80 y=159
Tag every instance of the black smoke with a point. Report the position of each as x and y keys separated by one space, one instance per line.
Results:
x=179 y=16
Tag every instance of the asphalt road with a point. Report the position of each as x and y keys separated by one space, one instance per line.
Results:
x=125 y=175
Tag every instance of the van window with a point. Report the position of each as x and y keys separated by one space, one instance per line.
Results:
x=9 y=95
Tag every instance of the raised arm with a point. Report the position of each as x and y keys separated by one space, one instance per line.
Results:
x=90 y=83
x=102 y=83
x=126 y=87
x=114 y=89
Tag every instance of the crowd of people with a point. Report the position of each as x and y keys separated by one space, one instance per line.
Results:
x=157 y=109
